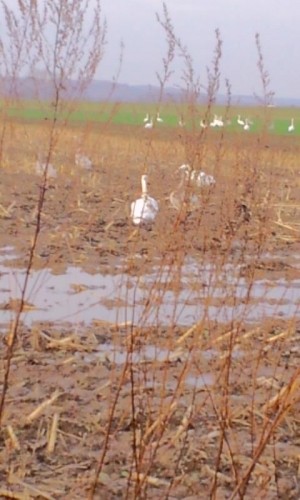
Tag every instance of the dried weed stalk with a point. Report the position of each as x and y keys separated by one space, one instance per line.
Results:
x=55 y=36
x=163 y=422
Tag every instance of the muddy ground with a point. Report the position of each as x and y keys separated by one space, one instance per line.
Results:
x=73 y=404
x=85 y=217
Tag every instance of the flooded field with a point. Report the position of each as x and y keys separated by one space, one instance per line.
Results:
x=157 y=362
x=77 y=296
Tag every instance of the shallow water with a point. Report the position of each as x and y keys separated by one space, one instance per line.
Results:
x=150 y=353
x=77 y=296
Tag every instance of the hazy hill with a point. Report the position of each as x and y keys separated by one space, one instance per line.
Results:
x=101 y=90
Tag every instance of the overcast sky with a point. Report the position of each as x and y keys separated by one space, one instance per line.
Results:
x=195 y=21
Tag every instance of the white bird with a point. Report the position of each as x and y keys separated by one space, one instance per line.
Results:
x=182 y=197
x=146 y=119
x=203 y=124
x=291 y=126
x=158 y=118
x=83 y=161
x=240 y=121
x=214 y=122
x=41 y=165
x=186 y=169
x=145 y=209
x=149 y=124
x=181 y=122
x=247 y=125
x=219 y=121
x=199 y=179
x=203 y=179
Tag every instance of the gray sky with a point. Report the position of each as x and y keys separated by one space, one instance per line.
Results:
x=195 y=21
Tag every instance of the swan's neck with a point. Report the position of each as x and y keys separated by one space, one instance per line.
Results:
x=144 y=186
x=183 y=180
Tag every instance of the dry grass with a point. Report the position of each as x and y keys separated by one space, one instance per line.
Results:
x=52 y=440
x=148 y=406
x=222 y=405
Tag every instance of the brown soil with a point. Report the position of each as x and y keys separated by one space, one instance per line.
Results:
x=86 y=222
x=174 y=437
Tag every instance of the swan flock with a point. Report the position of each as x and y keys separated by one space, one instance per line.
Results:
x=144 y=210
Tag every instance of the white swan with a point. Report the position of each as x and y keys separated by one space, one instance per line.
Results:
x=144 y=209
x=181 y=122
x=247 y=125
x=199 y=179
x=83 y=161
x=186 y=168
x=219 y=121
x=158 y=118
x=146 y=119
x=41 y=165
x=149 y=124
x=240 y=121
x=214 y=123
x=182 y=197
x=203 y=179
x=291 y=126
x=203 y=124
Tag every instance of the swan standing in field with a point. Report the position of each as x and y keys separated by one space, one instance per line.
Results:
x=203 y=179
x=247 y=125
x=180 y=198
x=145 y=209
x=158 y=118
x=199 y=179
x=181 y=122
x=219 y=121
x=178 y=195
x=149 y=123
x=240 y=121
x=83 y=161
x=203 y=124
x=214 y=122
x=41 y=165
x=146 y=119
x=186 y=170
x=291 y=126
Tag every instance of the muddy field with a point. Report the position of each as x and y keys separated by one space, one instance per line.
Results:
x=182 y=379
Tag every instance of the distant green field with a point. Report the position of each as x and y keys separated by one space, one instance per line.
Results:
x=277 y=119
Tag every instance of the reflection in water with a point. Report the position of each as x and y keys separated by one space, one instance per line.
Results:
x=77 y=296
x=200 y=381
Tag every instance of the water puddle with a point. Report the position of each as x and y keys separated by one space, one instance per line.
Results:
x=199 y=382
x=160 y=297
x=149 y=353
x=7 y=253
